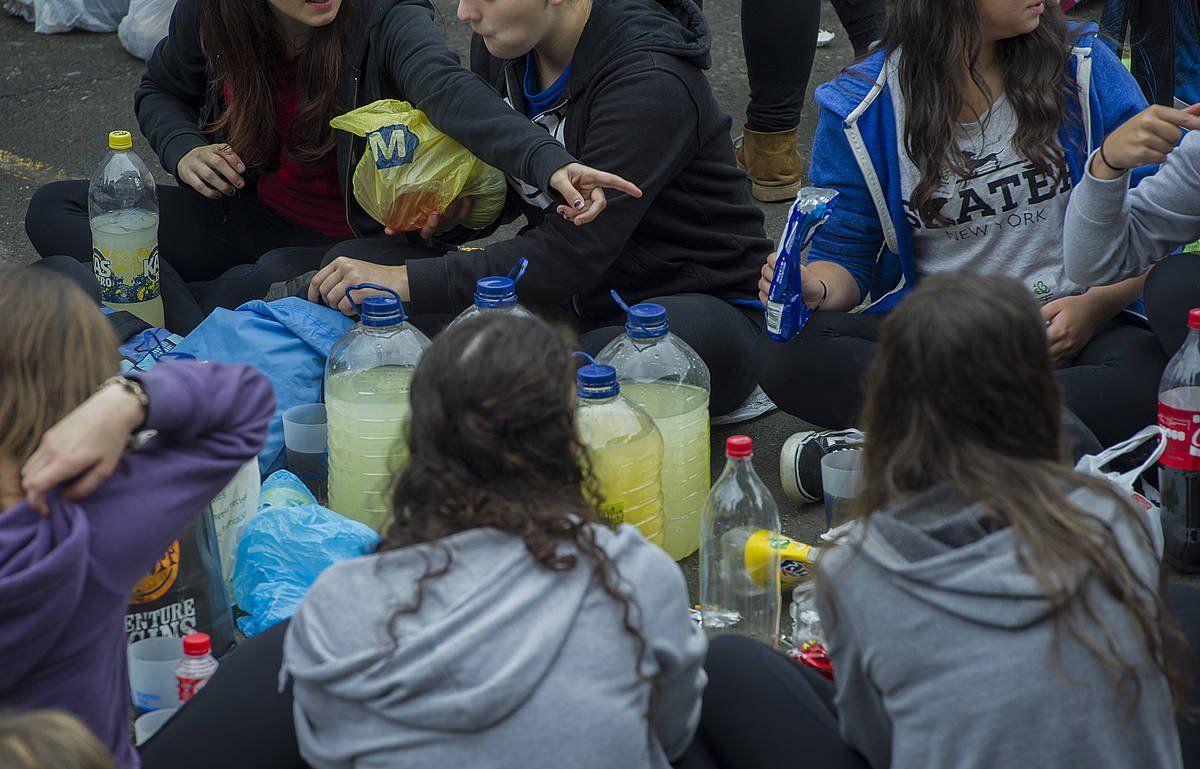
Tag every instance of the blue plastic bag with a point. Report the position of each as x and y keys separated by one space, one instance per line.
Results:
x=285 y=549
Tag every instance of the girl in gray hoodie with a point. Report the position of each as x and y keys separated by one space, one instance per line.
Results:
x=499 y=624
x=992 y=609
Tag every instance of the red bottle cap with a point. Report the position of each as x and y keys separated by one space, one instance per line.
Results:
x=197 y=644
x=739 y=447
x=1194 y=318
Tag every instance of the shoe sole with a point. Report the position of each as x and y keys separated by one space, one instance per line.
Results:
x=788 y=476
x=774 y=194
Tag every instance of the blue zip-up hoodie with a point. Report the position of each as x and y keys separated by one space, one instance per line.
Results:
x=856 y=151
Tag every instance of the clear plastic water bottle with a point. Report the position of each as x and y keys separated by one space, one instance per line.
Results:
x=197 y=666
x=1179 y=467
x=123 y=213
x=367 y=381
x=732 y=599
x=497 y=293
x=661 y=373
x=625 y=450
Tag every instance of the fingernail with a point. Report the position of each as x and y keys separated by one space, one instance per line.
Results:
x=241 y=184
x=241 y=168
x=578 y=204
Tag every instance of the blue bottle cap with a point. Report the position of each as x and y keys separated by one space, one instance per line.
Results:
x=647 y=321
x=596 y=381
x=495 y=292
x=379 y=311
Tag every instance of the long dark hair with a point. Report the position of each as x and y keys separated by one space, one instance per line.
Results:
x=938 y=38
x=493 y=443
x=987 y=426
x=245 y=47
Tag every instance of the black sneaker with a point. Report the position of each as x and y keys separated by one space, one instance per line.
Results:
x=800 y=460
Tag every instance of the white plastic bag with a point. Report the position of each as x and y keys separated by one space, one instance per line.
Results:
x=54 y=16
x=145 y=25
x=231 y=510
x=1129 y=483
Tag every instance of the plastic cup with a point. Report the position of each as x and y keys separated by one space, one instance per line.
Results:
x=304 y=439
x=148 y=725
x=152 y=664
x=841 y=477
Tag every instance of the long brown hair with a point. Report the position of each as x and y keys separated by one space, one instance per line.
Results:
x=492 y=443
x=48 y=739
x=58 y=349
x=937 y=38
x=245 y=47
x=987 y=426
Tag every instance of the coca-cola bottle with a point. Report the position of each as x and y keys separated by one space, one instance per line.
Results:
x=1179 y=468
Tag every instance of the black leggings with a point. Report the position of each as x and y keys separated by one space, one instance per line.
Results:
x=761 y=710
x=722 y=334
x=199 y=239
x=1172 y=289
x=863 y=20
x=1112 y=385
x=1151 y=25
x=239 y=719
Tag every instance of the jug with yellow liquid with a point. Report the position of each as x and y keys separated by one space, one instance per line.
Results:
x=367 y=381
x=661 y=373
x=625 y=450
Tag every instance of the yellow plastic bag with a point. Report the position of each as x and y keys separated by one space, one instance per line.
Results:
x=411 y=169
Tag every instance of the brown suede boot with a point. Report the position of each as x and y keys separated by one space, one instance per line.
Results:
x=775 y=167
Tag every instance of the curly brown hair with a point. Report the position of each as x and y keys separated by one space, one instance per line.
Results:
x=493 y=444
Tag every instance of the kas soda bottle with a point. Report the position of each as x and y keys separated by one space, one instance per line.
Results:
x=196 y=667
x=1179 y=468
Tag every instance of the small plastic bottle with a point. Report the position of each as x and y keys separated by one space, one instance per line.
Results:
x=197 y=666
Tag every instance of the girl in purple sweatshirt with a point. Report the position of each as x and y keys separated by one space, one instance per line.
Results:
x=83 y=518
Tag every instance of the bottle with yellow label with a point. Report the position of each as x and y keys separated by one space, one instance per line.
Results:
x=762 y=549
x=123 y=212
x=625 y=450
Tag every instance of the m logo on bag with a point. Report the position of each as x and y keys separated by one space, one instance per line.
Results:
x=393 y=145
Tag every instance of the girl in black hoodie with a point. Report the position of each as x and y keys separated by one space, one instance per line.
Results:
x=619 y=83
x=236 y=102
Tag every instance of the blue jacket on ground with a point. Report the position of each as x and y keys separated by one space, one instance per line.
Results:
x=856 y=151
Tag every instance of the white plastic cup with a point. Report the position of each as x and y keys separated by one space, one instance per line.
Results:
x=148 y=725
x=305 y=439
x=841 y=478
x=152 y=664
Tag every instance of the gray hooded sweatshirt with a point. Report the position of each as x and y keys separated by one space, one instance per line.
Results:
x=1113 y=232
x=505 y=664
x=941 y=646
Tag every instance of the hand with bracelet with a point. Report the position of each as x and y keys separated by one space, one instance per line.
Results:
x=813 y=288
x=83 y=449
x=1145 y=139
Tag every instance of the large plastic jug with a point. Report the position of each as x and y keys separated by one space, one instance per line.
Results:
x=625 y=450
x=661 y=373
x=367 y=381
x=497 y=294
x=123 y=213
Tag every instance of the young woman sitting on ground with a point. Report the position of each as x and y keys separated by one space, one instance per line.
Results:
x=619 y=83
x=498 y=614
x=962 y=157
x=83 y=518
x=991 y=608
x=1113 y=231
x=236 y=101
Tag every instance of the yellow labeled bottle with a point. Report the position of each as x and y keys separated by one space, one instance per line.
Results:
x=123 y=213
x=625 y=451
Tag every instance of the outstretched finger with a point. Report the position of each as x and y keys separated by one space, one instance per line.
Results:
x=612 y=182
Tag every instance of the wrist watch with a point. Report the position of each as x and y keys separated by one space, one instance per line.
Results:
x=134 y=388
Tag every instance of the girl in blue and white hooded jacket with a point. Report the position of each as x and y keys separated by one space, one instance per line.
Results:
x=962 y=158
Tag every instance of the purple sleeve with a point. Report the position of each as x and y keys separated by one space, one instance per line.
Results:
x=211 y=419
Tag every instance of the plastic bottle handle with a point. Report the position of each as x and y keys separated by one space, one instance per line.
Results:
x=376 y=286
x=518 y=270
x=584 y=355
x=621 y=303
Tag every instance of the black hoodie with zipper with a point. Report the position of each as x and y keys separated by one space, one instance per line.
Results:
x=392 y=49
x=636 y=103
